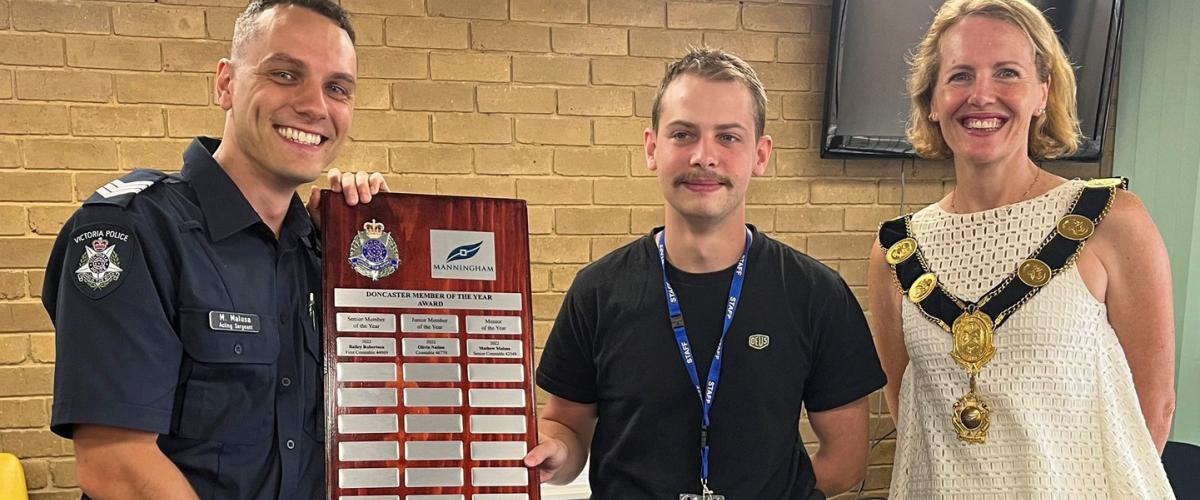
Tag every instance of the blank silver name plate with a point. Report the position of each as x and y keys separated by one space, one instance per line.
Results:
x=499 y=476
x=433 y=476
x=366 y=322
x=494 y=324
x=370 y=497
x=497 y=424
x=435 y=497
x=432 y=372
x=351 y=346
x=430 y=347
x=508 y=372
x=418 y=424
x=499 y=496
x=433 y=450
x=428 y=323
x=366 y=372
x=432 y=397
x=364 y=397
x=497 y=398
x=510 y=349
x=498 y=450
x=369 y=478
x=350 y=451
x=367 y=424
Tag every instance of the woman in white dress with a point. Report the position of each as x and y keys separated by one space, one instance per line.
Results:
x=1061 y=380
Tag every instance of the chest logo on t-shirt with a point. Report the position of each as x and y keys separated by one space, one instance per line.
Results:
x=760 y=341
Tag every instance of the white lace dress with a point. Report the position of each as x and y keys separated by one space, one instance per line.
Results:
x=1065 y=417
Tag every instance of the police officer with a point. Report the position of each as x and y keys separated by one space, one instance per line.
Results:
x=189 y=353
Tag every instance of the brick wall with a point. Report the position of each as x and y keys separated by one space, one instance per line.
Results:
x=543 y=100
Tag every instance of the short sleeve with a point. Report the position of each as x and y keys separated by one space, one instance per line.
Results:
x=567 y=368
x=845 y=365
x=117 y=355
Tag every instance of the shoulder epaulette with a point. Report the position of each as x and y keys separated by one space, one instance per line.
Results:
x=121 y=191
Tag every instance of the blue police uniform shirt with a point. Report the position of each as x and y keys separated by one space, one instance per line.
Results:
x=179 y=312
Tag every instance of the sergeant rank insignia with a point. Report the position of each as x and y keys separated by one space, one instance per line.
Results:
x=373 y=252
x=100 y=265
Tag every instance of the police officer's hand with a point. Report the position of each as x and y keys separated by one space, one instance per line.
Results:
x=356 y=187
x=548 y=457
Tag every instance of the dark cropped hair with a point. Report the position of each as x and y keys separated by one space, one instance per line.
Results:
x=245 y=27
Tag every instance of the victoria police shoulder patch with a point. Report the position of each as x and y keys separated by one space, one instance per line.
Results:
x=99 y=255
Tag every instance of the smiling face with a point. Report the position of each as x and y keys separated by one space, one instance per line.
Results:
x=987 y=91
x=705 y=151
x=288 y=96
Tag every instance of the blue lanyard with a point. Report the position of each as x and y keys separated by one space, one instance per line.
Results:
x=714 y=371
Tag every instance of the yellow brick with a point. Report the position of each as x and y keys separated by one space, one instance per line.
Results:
x=662 y=43
x=627 y=71
x=591 y=220
x=555 y=191
x=779 y=76
x=13 y=349
x=37 y=475
x=789 y=134
x=384 y=62
x=35 y=186
x=63 y=472
x=604 y=245
x=6 y=84
x=476 y=186
x=372 y=94
x=390 y=126
x=785 y=18
x=194 y=56
x=33 y=119
x=31 y=49
x=550 y=11
x=702 y=16
x=643 y=219
x=3 y=15
x=17 y=413
x=878 y=477
x=875 y=167
x=621 y=131
x=366 y=157
x=68 y=85
x=472 y=128
x=12 y=283
x=163 y=89
x=219 y=23
x=561 y=277
x=12 y=217
x=868 y=218
x=546 y=305
x=512 y=37
x=809 y=219
x=751 y=47
x=34 y=443
x=25 y=316
x=595 y=101
x=412 y=184
x=557 y=250
x=157 y=154
x=803 y=106
x=772 y=191
x=844 y=191
x=796 y=241
x=475 y=9
x=647 y=13
x=368 y=30
x=475 y=67
x=594 y=161
x=426 y=33
x=762 y=217
x=158 y=21
x=804 y=49
x=541 y=219
x=86 y=183
x=545 y=130
x=427 y=159
x=840 y=246
x=54 y=495
x=10 y=154
x=513 y=160
x=194 y=121
x=550 y=69
x=539 y=279
x=112 y=53
x=853 y=272
x=589 y=40
x=386 y=7
x=644 y=102
x=135 y=121
x=512 y=99
x=70 y=154
x=48 y=220
x=433 y=96
x=42 y=346
x=806 y=163
x=42 y=15
x=645 y=191
x=915 y=192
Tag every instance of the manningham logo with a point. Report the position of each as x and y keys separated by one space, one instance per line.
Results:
x=468 y=255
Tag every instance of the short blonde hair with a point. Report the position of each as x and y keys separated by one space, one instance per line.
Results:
x=1052 y=134
x=715 y=65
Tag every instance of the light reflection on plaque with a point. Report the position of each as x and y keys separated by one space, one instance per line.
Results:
x=496 y=372
x=430 y=347
x=367 y=424
x=366 y=397
x=433 y=476
x=432 y=424
x=497 y=424
x=432 y=397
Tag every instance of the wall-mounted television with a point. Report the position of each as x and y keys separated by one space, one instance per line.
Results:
x=866 y=104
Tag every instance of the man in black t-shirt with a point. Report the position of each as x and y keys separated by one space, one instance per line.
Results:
x=683 y=359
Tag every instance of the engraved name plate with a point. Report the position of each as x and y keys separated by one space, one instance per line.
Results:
x=494 y=325
x=354 y=346
x=366 y=322
x=428 y=323
x=430 y=347
x=508 y=349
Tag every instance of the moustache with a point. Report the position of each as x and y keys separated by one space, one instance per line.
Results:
x=695 y=177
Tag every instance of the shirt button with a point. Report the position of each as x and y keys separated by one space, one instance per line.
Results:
x=237 y=348
x=291 y=445
x=286 y=381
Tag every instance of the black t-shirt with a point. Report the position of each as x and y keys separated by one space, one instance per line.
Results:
x=612 y=345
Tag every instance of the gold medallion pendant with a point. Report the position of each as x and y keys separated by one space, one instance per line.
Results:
x=901 y=251
x=973 y=346
x=922 y=287
x=1076 y=227
x=972 y=417
x=1034 y=273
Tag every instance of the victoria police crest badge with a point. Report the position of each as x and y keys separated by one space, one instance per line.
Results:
x=100 y=256
x=100 y=265
x=373 y=252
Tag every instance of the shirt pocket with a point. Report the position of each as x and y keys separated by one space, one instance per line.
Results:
x=227 y=381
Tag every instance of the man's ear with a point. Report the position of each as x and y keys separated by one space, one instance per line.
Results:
x=762 y=154
x=651 y=143
x=223 y=84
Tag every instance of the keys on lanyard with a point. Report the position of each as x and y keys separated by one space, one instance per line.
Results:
x=706 y=393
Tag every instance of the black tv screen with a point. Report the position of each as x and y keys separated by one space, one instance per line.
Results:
x=867 y=106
